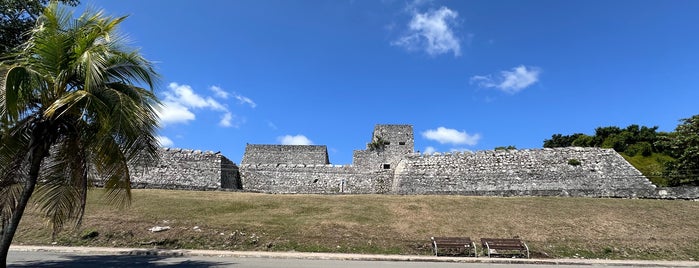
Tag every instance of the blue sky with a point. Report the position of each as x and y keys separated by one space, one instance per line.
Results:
x=468 y=75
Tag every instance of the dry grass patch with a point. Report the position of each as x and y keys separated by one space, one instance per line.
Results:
x=554 y=227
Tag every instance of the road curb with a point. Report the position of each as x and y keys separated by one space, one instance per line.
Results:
x=345 y=256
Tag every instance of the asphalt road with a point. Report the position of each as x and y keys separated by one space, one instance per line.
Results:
x=44 y=259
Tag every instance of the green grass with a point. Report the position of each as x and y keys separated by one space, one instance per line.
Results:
x=651 y=166
x=383 y=224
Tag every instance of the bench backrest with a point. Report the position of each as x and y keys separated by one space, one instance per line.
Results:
x=502 y=243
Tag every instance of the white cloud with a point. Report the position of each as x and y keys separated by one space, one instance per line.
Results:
x=271 y=125
x=245 y=100
x=179 y=101
x=164 y=141
x=463 y=150
x=219 y=92
x=511 y=82
x=173 y=112
x=226 y=120
x=294 y=140
x=430 y=150
x=432 y=32
x=446 y=135
x=185 y=95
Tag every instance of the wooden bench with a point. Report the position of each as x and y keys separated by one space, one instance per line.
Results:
x=503 y=246
x=463 y=244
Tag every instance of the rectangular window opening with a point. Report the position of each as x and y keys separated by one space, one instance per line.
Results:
x=386 y=166
x=386 y=143
x=401 y=143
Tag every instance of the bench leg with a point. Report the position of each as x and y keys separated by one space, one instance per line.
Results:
x=526 y=247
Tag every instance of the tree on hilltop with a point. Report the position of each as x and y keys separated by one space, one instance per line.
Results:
x=72 y=113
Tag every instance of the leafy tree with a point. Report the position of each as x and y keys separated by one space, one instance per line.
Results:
x=559 y=140
x=72 y=114
x=683 y=145
x=583 y=140
x=17 y=18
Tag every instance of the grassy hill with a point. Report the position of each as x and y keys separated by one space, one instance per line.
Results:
x=390 y=224
x=651 y=166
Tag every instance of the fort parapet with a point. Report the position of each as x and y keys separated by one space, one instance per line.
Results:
x=389 y=165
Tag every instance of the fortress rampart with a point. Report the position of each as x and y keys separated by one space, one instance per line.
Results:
x=187 y=169
x=388 y=165
x=571 y=171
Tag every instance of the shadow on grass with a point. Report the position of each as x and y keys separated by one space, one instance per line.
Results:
x=137 y=261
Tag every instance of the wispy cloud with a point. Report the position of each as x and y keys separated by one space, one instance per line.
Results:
x=294 y=140
x=271 y=125
x=432 y=32
x=226 y=120
x=180 y=101
x=164 y=141
x=430 y=150
x=452 y=136
x=219 y=92
x=511 y=82
x=244 y=100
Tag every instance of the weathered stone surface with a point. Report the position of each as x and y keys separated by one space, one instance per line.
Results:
x=285 y=154
x=396 y=169
x=600 y=173
x=187 y=169
x=683 y=192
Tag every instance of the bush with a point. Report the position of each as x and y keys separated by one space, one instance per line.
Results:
x=643 y=148
x=574 y=162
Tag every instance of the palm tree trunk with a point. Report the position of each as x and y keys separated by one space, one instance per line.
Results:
x=37 y=154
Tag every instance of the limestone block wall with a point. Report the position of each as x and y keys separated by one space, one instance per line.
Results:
x=187 y=169
x=285 y=154
x=314 y=179
x=600 y=173
x=681 y=192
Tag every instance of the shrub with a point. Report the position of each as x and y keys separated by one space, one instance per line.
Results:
x=574 y=162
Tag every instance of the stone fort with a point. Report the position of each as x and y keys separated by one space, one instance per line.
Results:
x=389 y=165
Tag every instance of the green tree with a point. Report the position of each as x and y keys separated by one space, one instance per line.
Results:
x=560 y=140
x=73 y=114
x=17 y=18
x=683 y=145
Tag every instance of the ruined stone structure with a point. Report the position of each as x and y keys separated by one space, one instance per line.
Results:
x=187 y=169
x=388 y=165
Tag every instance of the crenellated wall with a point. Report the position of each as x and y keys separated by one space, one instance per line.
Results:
x=187 y=169
x=395 y=169
x=570 y=171
x=285 y=154
x=314 y=179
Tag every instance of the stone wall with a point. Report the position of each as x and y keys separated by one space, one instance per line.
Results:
x=571 y=171
x=187 y=169
x=285 y=154
x=397 y=141
x=314 y=179
x=682 y=192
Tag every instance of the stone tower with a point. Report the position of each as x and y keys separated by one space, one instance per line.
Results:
x=389 y=144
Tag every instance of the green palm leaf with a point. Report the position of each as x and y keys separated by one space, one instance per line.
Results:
x=73 y=99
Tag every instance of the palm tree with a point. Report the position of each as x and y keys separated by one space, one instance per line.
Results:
x=72 y=114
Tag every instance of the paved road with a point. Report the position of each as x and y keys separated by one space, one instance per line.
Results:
x=59 y=256
x=44 y=259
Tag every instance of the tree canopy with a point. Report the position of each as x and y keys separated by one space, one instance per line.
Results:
x=17 y=18
x=73 y=114
x=681 y=146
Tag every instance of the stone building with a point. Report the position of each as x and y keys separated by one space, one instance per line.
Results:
x=389 y=165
